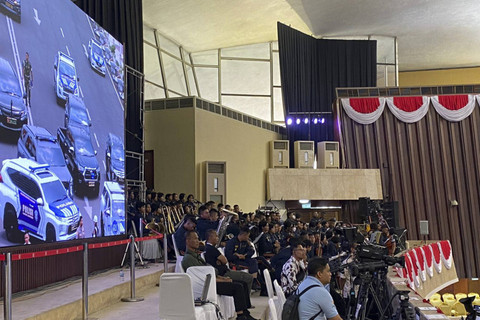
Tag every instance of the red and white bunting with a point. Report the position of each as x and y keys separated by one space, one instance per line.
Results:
x=454 y=107
x=408 y=109
x=437 y=262
x=364 y=110
x=428 y=258
x=446 y=253
x=420 y=264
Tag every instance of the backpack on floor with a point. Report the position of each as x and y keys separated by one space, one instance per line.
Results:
x=290 y=307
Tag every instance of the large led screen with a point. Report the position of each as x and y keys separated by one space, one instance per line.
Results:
x=62 y=151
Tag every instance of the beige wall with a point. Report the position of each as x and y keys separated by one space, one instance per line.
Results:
x=245 y=150
x=183 y=139
x=440 y=77
x=170 y=133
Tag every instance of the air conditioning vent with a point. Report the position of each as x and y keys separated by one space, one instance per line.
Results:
x=282 y=145
x=216 y=168
x=331 y=146
x=305 y=146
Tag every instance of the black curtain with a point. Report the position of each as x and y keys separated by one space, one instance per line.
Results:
x=124 y=20
x=311 y=69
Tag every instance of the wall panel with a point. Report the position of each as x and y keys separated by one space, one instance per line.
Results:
x=424 y=166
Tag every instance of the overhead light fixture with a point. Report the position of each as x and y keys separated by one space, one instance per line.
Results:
x=305 y=120
x=289 y=121
x=315 y=121
x=298 y=121
x=303 y=201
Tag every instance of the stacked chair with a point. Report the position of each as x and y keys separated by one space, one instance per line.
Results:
x=450 y=304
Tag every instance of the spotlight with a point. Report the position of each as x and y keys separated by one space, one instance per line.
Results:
x=289 y=121
x=298 y=121
x=305 y=120
x=322 y=120
x=315 y=121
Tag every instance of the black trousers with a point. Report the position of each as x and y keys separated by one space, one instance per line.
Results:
x=238 y=290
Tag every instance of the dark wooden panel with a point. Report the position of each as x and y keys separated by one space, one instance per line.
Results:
x=424 y=166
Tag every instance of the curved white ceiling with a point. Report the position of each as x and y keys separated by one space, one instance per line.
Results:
x=431 y=34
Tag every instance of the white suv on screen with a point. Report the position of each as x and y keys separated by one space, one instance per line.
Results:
x=34 y=200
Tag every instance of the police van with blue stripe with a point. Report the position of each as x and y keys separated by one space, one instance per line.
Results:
x=34 y=200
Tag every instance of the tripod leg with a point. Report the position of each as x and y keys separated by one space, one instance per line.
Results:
x=138 y=252
x=125 y=254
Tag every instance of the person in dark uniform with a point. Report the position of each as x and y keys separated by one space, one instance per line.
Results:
x=189 y=224
x=27 y=74
x=215 y=258
x=239 y=252
x=204 y=223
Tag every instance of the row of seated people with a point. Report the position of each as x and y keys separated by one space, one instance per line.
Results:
x=236 y=284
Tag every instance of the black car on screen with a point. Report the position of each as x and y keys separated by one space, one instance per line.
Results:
x=80 y=156
x=37 y=143
x=76 y=113
x=12 y=7
x=13 y=113
x=115 y=159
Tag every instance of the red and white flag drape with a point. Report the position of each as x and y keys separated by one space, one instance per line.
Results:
x=364 y=110
x=420 y=262
x=410 y=109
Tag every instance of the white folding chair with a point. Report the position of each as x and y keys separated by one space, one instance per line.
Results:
x=272 y=309
x=225 y=303
x=268 y=283
x=281 y=297
x=179 y=257
x=176 y=299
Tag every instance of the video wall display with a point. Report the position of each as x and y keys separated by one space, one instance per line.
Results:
x=62 y=155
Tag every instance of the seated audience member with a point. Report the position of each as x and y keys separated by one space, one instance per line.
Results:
x=215 y=258
x=268 y=246
x=317 y=303
x=225 y=286
x=204 y=223
x=294 y=270
x=234 y=226
x=374 y=233
x=332 y=247
x=390 y=242
x=309 y=248
x=282 y=257
x=239 y=252
x=188 y=225
x=286 y=233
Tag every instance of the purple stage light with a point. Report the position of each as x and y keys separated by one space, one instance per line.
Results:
x=289 y=121
x=315 y=121
x=298 y=121
x=323 y=120
x=305 y=120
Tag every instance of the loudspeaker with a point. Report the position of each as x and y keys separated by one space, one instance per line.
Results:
x=390 y=213
x=363 y=210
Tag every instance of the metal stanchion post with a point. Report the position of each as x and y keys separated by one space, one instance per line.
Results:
x=165 y=253
x=7 y=304
x=85 y=282
x=132 y=273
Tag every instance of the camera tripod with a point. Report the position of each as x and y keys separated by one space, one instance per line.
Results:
x=136 y=247
x=371 y=292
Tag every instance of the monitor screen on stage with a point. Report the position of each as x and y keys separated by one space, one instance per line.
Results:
x=62 y=156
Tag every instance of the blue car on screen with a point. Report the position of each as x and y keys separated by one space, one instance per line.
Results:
x=115 y=159
x=65 y=77
x=34 y=200
x=112 y=209
x=95 y=54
